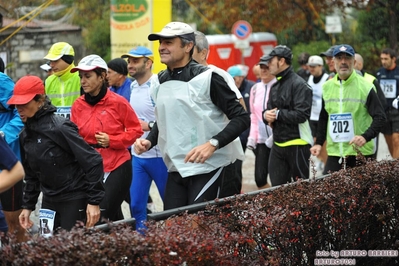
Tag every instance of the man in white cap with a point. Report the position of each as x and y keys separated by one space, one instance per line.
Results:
x=316 y=80
x=62 y=87
x=46 y=68
x=199 y=119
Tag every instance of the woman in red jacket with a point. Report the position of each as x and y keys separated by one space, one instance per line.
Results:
x=108 y=123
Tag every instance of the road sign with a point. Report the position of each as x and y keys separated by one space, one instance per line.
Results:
x=333 y=28
x=241 y=44
x=333 y=24
x=242 y=29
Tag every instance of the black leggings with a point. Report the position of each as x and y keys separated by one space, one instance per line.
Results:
x=262 y=154
x=67 y=213
x=289 y=162
x=116 y=186
x=189 y=190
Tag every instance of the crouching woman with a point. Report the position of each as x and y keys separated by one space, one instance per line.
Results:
x=57 y=162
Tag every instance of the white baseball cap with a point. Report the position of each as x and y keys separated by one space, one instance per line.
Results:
x=315 y=60
x=46 y=67
x=174 y=29
x=89 y=63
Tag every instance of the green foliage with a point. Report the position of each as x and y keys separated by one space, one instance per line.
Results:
x=313 y=48
x=97 y=37
x=94 y=17
x=373 y=24
x=370 y=52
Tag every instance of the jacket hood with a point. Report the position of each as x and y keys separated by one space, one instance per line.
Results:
x=7 y=85
x=46 y=109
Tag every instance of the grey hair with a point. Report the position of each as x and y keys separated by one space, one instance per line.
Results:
x=185 y=42
x=201 y=41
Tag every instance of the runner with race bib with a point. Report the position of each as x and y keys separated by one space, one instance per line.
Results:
x=351 y=114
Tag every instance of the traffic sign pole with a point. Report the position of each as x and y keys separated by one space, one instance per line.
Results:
x=242 y=30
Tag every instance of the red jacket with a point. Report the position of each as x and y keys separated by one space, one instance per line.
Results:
x=112 y=115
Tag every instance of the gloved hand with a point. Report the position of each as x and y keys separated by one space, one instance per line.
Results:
x=395 y=103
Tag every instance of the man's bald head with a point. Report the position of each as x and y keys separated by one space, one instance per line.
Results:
x=358 y=62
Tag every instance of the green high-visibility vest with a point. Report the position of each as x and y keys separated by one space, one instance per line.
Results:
x=348 y=97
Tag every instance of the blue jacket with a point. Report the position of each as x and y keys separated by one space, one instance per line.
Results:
x=10 y=122
x=123 y=90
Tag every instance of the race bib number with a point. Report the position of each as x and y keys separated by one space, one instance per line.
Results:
x=64 y=111
x=46 y=220
x=341 y=127
x=388 y=86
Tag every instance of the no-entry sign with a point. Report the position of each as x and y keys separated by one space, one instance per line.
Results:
x=242 y=29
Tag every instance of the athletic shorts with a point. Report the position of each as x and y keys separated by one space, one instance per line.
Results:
x=11 y=200
x=392 y=123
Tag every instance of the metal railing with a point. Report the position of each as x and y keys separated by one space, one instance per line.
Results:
x=159 y=216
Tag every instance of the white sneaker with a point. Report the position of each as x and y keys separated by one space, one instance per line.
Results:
x=151 y=208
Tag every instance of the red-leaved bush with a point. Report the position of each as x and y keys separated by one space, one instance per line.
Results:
x=355 y=209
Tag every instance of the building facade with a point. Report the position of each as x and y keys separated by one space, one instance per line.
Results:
x=24 y=44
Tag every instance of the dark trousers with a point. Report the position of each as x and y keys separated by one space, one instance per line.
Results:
x=287 y=163
x=181 y=191
x=231 y=181
x=67 y=213
x=116 y=187
x=333 y=165
x=262 y=154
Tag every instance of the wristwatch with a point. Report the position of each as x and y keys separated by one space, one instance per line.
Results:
x=151 y=124
x=214 y=143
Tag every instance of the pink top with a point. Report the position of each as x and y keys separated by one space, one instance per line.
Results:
x=259 y=131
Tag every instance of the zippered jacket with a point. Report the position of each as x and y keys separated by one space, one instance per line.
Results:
x=58 y=161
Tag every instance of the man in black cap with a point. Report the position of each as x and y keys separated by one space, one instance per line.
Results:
x=288 y=112
x=117 y=77
x=329 y=60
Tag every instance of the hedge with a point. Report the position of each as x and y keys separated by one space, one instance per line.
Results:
x=349 y=217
